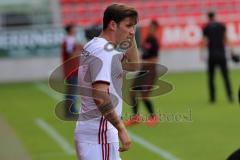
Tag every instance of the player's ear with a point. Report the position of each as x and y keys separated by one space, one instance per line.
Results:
x=113 y=25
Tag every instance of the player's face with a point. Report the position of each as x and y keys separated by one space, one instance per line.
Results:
x=73 y=31
x=125 y=30
x=153 y=28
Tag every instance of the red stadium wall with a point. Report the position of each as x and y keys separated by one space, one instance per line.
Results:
x=171 y=36
x=181 y=20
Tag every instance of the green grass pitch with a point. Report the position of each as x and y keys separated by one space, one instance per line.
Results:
x=208 y=132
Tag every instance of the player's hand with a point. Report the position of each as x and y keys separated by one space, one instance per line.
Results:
x=124 y=138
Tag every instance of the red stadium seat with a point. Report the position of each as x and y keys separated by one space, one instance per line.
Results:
x=85 y=12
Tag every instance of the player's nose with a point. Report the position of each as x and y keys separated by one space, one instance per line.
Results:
x=132 y=31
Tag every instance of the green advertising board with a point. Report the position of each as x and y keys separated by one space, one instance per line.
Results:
x=37 y=41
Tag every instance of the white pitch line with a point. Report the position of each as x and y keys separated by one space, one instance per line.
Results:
x=45 y=89
x=55 y=136
x=144 y=143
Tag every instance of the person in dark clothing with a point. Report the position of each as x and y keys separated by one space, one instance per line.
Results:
x=235 y=155
x=150 y=48
x=93 y=31
x=215 y=39
x=239 y=95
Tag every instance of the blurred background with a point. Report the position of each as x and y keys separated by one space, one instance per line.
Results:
x=31 y=33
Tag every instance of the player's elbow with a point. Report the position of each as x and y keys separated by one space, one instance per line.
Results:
x=100 y=98
x=104 y=105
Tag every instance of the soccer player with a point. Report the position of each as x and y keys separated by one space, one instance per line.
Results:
x=215 y=39
x=69 y=49
x=97 y=135
x=150 y=49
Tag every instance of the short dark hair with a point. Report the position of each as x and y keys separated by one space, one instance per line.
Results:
x=69 y=27
x=211 y=15
x=117 y=12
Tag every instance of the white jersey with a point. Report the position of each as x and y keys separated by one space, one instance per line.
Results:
x=98 y=62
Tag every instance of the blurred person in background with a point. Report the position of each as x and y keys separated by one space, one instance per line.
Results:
x=215 y=39
x=70 y=49
x=93 y=30
x=150 y=49
x=239 y=95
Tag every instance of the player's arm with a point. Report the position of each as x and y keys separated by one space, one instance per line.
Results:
x=132 y=56
x=203 y=47
x=234 y=57
x=228 y=43
x=105 y=106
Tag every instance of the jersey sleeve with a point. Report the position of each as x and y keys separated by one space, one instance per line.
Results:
x=100 y=67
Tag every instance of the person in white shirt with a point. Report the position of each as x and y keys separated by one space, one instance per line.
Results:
x=70 y=49
x=99 y=127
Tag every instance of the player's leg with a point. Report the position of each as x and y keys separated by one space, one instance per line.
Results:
x=225 y=75
x=88 y=151
x=134 y=102
x=148 y=104
x=71 y=95
x=136 y=87
x=135 y=118
x=211 y=86
x=153 y=118
x=149 y=80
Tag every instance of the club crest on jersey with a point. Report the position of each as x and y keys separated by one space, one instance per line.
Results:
x=85 y=53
